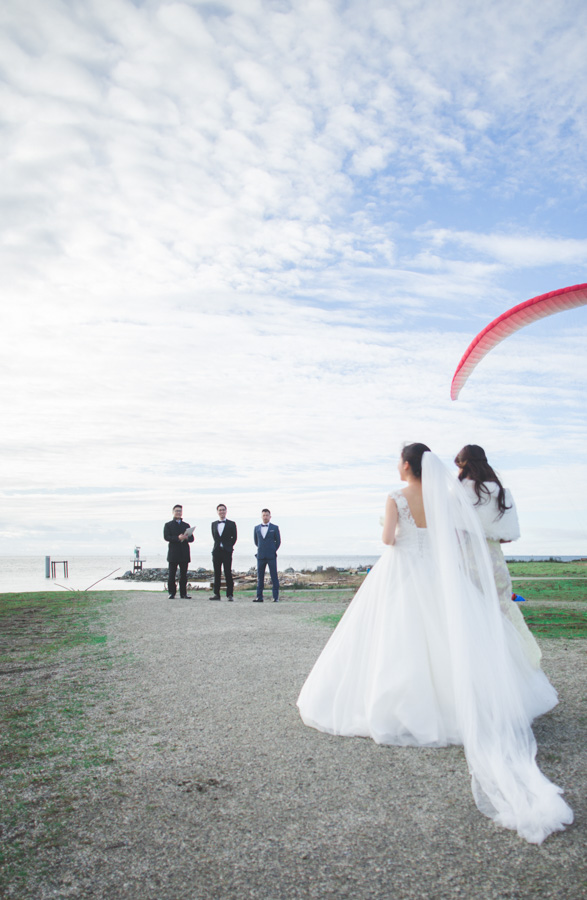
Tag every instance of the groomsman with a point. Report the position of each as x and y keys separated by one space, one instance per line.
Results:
x=178 y=553
x=267 y=541
x=224 y=534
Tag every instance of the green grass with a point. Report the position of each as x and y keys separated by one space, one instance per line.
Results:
x=53 y=651
x=331 y=620
x=553 y=569
x=547 y=622
x=547 y=589
x=556 y=623
x=333 y=594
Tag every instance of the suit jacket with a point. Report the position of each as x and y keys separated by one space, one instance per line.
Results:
x=178 y=551
x=228 y=539
x=267 y=546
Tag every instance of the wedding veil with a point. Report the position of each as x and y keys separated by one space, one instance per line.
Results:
x=499 y=744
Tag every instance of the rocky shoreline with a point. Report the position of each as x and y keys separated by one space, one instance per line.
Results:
x=289 y=578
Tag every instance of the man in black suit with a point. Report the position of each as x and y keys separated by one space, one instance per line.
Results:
x=267 y=540
x=224 y=534
x=178 y=553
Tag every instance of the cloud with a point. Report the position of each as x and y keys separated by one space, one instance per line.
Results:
x=246 y=244
x=517 y=250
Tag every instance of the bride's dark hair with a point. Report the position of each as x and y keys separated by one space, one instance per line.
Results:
x=473 y=465
x=412 y=454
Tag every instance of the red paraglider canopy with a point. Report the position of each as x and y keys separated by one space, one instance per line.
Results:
x=512 y=320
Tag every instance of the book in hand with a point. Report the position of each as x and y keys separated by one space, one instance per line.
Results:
x=189 y=531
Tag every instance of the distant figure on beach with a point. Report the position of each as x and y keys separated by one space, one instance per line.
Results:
x=423 y=656
x=224 y=535
x=178 y=553
x=267 y=541
x=496 y=509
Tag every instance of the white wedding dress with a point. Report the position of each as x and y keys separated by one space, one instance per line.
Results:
x=497 y=528
x=424 y=657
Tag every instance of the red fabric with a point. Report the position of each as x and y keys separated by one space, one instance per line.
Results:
x=515 y=318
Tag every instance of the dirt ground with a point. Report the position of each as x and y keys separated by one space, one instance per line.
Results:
x=215 y=789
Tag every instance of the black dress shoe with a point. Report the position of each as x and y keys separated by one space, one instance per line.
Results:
x=215 y=597
x=171 y=597
x=186 y=596
x=258 y=600
x=231 y=599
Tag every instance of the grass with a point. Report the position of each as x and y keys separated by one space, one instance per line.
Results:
x=547 y=623
x=53 y=653
x=331 y=593
x=54 y=704
x=331 y=620
x=549 y=568
x=556 y=623
x=547 y=589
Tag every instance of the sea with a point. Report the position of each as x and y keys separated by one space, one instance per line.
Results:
x=27 y=573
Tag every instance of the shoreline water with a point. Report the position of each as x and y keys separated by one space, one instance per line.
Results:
x=27 y=573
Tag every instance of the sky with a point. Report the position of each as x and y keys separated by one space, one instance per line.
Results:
x=245 y=245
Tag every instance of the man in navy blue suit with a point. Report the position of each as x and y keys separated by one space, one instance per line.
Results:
x=267 y=542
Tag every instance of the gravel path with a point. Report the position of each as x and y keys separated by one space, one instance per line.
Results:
x=219 y=790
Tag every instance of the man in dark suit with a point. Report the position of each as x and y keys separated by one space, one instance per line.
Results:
x=267 y=541
x=224 y=534
x=178 y=553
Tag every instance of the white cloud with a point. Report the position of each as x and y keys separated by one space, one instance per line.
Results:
x=215 y=262
x=517 y=250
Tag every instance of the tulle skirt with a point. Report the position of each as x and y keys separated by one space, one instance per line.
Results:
x=509 y=608
x=387 y=673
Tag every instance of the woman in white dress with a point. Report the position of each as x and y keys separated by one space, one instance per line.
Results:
x=423 y=656
x=497 y=513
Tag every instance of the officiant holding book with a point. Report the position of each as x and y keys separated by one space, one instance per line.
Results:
x=179 y=535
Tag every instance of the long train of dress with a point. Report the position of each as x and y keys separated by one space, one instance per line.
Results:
x=424 y=657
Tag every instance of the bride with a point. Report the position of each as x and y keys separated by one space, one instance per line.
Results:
x=423 y=656
x=496 y=509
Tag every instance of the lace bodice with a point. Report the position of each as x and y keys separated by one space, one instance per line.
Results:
x=407 y=534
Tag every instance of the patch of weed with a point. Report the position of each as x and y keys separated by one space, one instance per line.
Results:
x=547 y=589
x=556 y=623
x=52 y=650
